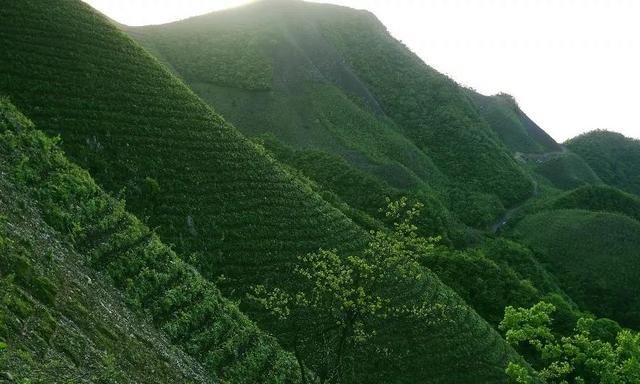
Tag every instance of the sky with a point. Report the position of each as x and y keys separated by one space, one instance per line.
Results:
x=572 y=65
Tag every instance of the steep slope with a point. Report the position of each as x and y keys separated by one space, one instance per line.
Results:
x=299 y=94
x=60 y=237
x=595 y=257
x=62 y=322
x=613 y=157
x=516 y=130
x=137 y=129
x=333 y=79
x=228 y=207
x=362 y=192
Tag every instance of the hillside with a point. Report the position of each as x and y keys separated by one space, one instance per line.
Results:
x=594 y=255
x=64 y=245
x=361 y=192
x=227 y=207
x=333 y=79
x=565 y=170
x=613 y=157
x=143 y=134
x=599 y=198
x=516 y=130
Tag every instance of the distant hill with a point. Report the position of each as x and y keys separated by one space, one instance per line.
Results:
x=565 y=171
x=595 y=257
x=227 y=207
x=64 y=244
x=613 y=157
x=516 y=130
x=333 y=79
x=599 y=198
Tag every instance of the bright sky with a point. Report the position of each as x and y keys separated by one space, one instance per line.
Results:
x=573 y=65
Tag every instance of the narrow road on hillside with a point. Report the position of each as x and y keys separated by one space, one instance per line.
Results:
x=504 y=220
x=539 y=158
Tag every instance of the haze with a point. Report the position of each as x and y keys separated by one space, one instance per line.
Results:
x=571 y=64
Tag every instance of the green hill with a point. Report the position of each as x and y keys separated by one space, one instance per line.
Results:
x=595 y=257
x=333 y=79
x=599 y=198
x=228 y=207
x=565 y=170
x=613 y=157
x=516 y=130
x=64 y=244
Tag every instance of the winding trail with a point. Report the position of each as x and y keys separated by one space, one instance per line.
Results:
x=504 y=220
x=540 y=158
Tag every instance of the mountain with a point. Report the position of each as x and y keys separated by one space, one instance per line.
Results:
x=65 y=246
x=332 y=79
x=614 y=158
x=224 y=204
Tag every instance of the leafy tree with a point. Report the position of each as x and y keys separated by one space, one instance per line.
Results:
x=583 y=357
x=334 y=313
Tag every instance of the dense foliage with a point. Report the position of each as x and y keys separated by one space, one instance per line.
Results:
x=344 y=299
x=566 y=171
x=337 y=316
x=516 y=130
x=614 y=158
x=137 y=129
x=229 y=208
x=61 y=322
x=363 y=192
x=598 y=351
x=308 y=103
x=153 y=280
x=599 y=198
x=341 y=84
x=364 y=120
x=595 y=257
x=429 y=107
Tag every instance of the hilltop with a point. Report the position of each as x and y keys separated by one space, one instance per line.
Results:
x=516 y=130
x=330 y=78
x=614 y=157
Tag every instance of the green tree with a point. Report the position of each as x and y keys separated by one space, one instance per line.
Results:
x=583 y=357
x=333 y=313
